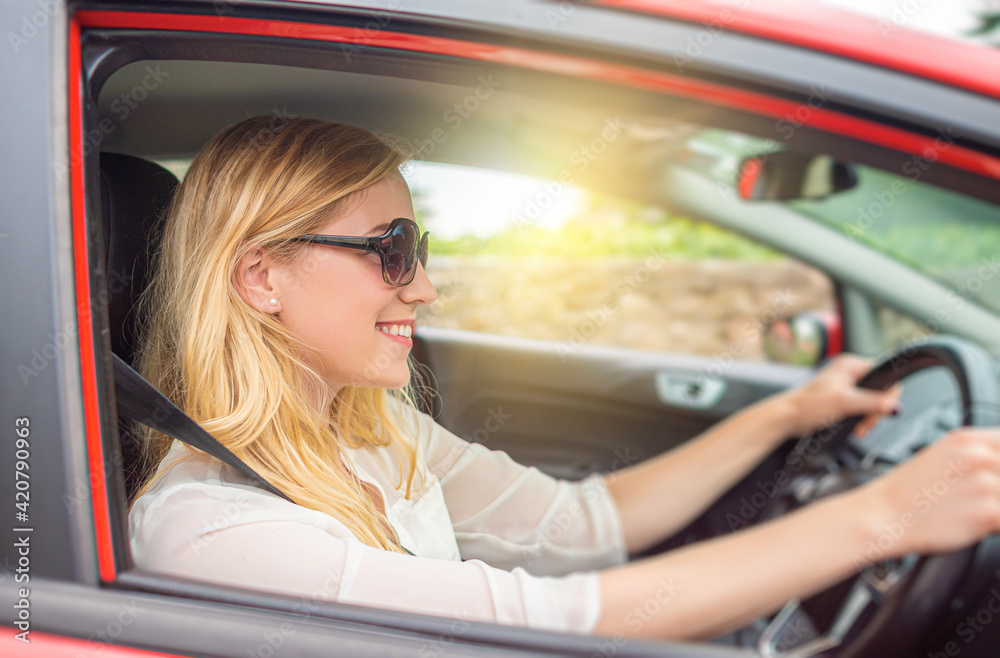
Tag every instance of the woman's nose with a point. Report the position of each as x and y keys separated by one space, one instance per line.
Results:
x=420 y=290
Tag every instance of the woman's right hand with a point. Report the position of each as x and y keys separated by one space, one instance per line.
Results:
x=944 y=498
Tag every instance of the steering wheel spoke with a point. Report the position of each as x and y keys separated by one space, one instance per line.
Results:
x=879 y=609
x=791 y=634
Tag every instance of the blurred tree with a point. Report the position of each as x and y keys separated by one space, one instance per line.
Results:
x=989 y=27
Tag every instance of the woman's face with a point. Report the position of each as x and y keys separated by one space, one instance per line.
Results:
x=334 y=299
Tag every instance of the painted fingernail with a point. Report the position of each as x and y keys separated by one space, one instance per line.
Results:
x=895 y=410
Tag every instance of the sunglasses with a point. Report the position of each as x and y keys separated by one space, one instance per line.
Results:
x=399 y=248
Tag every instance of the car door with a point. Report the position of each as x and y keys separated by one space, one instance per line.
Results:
x=84 y=594
x=598 y=410
x=567 y=409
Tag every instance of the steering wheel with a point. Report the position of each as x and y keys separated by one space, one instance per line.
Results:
x=875 y=612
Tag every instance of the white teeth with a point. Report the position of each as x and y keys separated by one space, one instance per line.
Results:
x=404 y=330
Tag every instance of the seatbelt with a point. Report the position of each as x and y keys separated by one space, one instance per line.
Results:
x=139 y=400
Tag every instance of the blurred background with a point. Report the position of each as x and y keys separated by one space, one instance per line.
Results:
x=553 y=262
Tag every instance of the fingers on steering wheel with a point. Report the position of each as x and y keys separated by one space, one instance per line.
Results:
x=863 y=428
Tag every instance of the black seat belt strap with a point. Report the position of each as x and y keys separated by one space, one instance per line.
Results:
x=139 y=400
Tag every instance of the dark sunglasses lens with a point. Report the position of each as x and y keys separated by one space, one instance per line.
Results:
x=422 y=251
x=400 y=257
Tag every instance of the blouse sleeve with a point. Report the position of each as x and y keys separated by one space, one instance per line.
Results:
x=509 y=515
x=242 y=537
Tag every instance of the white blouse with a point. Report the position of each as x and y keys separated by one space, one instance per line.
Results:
x=530 y=543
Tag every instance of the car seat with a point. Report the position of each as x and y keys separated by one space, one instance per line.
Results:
x=135 y=195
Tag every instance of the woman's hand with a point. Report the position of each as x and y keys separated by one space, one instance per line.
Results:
x=944 y=498
x=832 y=395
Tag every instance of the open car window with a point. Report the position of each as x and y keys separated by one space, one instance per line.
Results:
x=537 y=258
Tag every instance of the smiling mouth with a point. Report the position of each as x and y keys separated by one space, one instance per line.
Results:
x=402 y=330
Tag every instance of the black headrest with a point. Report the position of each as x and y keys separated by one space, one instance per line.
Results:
x=135 y=195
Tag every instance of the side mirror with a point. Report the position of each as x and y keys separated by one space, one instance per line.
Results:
x=804 y=339
x=787 y=176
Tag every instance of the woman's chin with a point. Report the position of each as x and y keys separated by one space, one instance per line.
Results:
x=395 y=376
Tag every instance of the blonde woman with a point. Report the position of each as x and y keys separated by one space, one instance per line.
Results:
x=292 y=349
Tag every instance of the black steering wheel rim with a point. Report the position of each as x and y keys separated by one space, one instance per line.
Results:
x=970 y=366
x=921 y=598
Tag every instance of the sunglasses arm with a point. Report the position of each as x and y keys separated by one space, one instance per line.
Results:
x=351 y=242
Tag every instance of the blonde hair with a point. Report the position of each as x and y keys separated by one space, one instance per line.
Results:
x=237 y=370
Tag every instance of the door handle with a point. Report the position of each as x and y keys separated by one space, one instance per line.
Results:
x=689 y=391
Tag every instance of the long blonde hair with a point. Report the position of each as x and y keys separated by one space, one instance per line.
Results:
x=235 y=369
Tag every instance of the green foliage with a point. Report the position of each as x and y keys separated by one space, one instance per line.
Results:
x=989 y=24
x=928 y=228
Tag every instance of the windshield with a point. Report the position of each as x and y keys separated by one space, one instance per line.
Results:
x=950 y=237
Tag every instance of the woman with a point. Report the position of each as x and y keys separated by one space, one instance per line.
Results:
x=292 y=350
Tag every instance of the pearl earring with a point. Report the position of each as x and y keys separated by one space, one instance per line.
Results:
x=273 y=301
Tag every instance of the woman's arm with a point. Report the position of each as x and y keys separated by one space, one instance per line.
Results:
x=709 y=588
x=661 y=495
x=706 y=589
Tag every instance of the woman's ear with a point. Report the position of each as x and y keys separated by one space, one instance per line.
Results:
x=254 y=279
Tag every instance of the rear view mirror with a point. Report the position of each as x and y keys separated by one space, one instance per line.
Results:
x=787 y=176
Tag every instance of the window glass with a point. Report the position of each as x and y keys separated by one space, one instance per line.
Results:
x=518 y=256
x=948 y=236
x=898 y=330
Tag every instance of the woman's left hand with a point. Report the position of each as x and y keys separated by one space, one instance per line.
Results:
x=832 y=395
